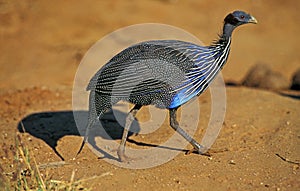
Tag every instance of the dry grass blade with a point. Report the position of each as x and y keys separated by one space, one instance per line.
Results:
x=29 y=176
x=286 y=160
x=52 y=164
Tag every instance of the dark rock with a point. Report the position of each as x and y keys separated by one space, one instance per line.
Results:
x=255 y=75
x=275 y=81
x=296 y=80
x=261 y=76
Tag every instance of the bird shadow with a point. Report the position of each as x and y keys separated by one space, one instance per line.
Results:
x=290 y=95
x=232 y=84
x=52 y=126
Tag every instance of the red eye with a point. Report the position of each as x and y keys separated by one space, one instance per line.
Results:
x=242 y=16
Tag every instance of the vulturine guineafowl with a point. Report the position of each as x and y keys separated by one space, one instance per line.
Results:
x=164 y=73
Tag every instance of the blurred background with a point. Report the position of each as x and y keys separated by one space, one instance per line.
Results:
x=43 y=42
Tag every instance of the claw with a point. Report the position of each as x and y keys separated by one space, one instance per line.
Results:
x=81 y=147
x=198 y=149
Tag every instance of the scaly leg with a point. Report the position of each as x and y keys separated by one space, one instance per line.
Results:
x=85 y=139
x=129 y=120
x=174 y=124
x=95 y=113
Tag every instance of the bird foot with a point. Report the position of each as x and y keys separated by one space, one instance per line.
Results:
x=206 y=153
x=123 y=157
x=196 y=151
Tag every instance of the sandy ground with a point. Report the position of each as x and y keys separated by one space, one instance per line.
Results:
x=43 y=43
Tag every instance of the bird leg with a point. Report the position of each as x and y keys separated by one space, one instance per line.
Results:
x=175 y=125
x=85 y=139
x=129 y=120
x=92 y=115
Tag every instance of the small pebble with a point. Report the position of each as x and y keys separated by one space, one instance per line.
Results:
x=232 y=162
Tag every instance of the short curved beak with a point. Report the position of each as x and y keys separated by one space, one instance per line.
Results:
x=252 y=20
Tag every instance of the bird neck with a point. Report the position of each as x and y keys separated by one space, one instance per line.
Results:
x=225 y=37
x=227 y=31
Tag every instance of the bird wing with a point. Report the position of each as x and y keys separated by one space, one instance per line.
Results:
x=154 y=67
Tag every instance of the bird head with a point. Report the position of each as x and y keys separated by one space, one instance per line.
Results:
x=237 y=18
